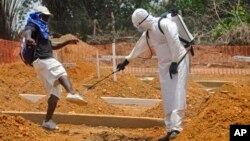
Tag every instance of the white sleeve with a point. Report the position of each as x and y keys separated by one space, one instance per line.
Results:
x=140 y=47
x=171 y=32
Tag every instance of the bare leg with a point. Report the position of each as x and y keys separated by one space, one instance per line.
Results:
x=65 y=82
x=52 y=102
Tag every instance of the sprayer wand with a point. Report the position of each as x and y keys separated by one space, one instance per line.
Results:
x=102 y=79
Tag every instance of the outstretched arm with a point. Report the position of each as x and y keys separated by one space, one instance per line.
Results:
x=140 y=47
x=60 y=45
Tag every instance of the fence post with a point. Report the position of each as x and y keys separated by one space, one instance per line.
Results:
x=97 y=64
x=113 y=45
x=114 y=60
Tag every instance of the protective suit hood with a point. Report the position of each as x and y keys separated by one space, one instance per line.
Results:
x=142 y=19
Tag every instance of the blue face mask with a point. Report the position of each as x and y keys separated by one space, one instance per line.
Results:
x=42 y=25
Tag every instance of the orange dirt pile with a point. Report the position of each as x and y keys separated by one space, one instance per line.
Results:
x=126 y=86
x=208 y=115
x=17 y=128
x=12 y=78
x=229 y=105
x=74 y=53
x=17 y=78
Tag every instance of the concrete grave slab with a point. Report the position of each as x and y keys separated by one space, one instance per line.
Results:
x=212 y=83
x=32 y=97
x=131 y=101
x=146 y=79
x=242 y=58
x=92 y=119
x=69 y=64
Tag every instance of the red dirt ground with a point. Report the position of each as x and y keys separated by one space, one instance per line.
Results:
x=207 y=114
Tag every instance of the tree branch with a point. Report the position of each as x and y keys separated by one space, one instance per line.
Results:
x=236 y=12
x=215 y=10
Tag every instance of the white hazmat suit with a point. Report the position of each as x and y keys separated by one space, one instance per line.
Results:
x=168 y=49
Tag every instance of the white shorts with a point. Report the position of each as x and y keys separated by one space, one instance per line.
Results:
x=49 y=71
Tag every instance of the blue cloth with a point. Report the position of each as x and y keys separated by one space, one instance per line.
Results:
x=43 y=26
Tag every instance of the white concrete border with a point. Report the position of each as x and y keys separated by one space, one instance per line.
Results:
x=131 y=101
x=212 y=83
x=32 y=97
x=241 y=58
x=92 y=120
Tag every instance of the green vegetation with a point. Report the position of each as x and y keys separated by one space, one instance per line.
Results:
x=210 y=21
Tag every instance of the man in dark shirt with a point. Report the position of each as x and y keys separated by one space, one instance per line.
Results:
x=48 y=68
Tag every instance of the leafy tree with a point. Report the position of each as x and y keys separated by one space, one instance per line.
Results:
x=210 y=20
x=231 y=15
x=77 y=16
x=12 y=16
x=215 y=17
x=69 y=17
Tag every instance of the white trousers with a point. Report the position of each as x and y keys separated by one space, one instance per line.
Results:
x=49 y=71
x=173 y=120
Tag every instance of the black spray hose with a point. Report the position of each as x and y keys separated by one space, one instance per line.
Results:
x=184 y=56
x=102 y=79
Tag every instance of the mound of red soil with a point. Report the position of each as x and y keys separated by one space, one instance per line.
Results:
x=74 y=53
x=208 y=116
x=17 y=128
x=126 y=86
x=229 y=105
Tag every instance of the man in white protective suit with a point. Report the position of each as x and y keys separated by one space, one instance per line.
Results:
x=173 y=66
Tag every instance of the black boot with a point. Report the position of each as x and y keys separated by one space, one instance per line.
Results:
x=165 y=138
x=173 y=134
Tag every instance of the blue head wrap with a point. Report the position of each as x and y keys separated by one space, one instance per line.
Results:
x=43 y=26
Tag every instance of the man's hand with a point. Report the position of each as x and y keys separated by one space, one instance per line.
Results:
x=72 y=41
x=30 y=42
x=173 y=69
x=121 y=66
